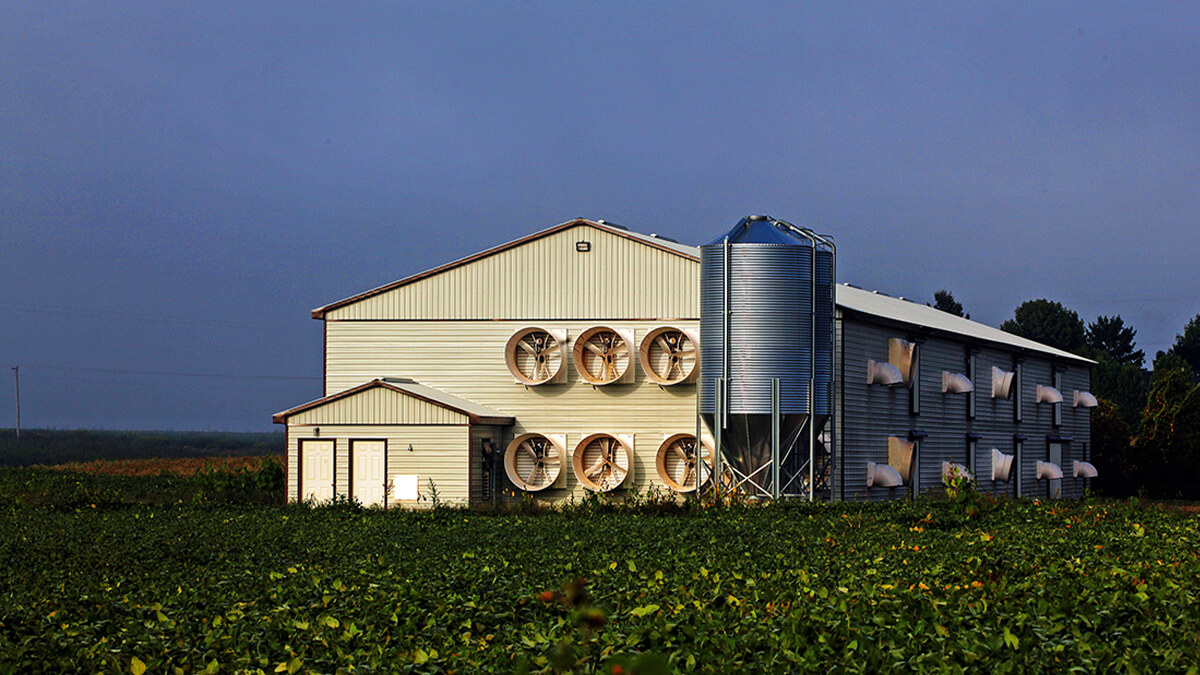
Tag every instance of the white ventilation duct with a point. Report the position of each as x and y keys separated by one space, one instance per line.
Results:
x=882 y=475
x=1085 y=470
x=956 y=383
x=1001 y=383
x=951 y=470
x=1048 y=394
x=879 y=372
x=900 y=355
x=1001 y=465
x=1084 y=399
x=1048 y=471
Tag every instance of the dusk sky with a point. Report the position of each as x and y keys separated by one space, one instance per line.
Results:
x=180 y=184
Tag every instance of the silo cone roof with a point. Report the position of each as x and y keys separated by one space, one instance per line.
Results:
x=759 y=230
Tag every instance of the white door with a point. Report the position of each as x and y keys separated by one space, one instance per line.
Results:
x=368 y=471
x=1055 y=458
x=316 y=470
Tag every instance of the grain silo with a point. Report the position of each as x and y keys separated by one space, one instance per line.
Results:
x=766 y=336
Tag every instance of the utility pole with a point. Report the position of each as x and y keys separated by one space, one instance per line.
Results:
x=17 y=374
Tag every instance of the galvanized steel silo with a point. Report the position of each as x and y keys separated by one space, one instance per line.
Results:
x=766 y=313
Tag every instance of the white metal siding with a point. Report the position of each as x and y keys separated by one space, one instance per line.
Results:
x=377 y=406
x=466 y=358
x=547 y=278
x=438 y=453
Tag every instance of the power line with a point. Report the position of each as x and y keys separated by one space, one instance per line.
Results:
x=62 y=310
x=165 y=373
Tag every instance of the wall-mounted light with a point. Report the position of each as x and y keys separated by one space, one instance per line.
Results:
x=410 y=447
x=317 y=431
x=583 y=246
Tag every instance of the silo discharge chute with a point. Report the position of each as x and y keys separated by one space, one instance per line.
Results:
x=766 y=347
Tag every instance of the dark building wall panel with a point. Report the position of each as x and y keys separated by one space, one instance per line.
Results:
x=871 y=413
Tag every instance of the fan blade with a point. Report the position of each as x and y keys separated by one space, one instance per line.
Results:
x=662 y=342
x=527 y=347
x=686 y=352
x=619 y=348
x=528 y=447
x=532 y=472
x=687 y=475
x=594 y=348
x=679 y=451
x=593 y=469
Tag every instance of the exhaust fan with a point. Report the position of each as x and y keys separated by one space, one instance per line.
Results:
x=602 y=355
x=883 y=373
x=1048 y=471
x=1085 y=470
x=1001 y=383
x=602 y=462
x=1085 y=399
x=668 y=355
x=535 y=355
x=956 y=383
x=1001 y=465
x=677 y=462
x=882 y=475
x=533 y=462
x=1047 y=394
x=900 y=355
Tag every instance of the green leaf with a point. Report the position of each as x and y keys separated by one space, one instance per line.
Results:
x=294 y=664
x=1010 y=639
x=643 y=610
x=136 y=666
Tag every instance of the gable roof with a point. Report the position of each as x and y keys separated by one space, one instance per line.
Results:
x=682 y=250
x=885 y=306
x=475 y=413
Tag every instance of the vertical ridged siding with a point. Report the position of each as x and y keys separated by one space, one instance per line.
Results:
x=439 y=452
x=466 y=358
x=547 y=278
x=872 y=412
x=378 y=406
x=770 y=325
x=822 y=318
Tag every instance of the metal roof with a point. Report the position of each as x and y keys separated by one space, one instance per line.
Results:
x=478 y=414
x=878 y=304
x=448 y=400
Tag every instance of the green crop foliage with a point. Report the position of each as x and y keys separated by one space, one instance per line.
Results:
x=197 y=587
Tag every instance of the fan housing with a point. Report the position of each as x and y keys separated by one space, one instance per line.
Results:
x=535 y=355
x=601 y=355
x=533 y=462
x=602 y=462
x=668 y=355
x=678 y=463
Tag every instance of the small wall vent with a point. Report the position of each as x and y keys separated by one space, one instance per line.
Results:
x=1085 y=399
x=879 y=372
x=1048 y=471
x=882 y=475
x=1002 y=381
x=956 y=383
x=1084 y=470
x=1001 y=465
x=1048 y=394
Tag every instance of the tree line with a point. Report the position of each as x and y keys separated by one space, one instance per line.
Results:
x=1146 y=430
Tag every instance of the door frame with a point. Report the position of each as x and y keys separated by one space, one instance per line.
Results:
x=350 y=465
x=300 y=464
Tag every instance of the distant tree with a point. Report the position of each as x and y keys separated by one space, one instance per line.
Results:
x=1122 y=385
x=1112 y=453
x=1110 y=335
x=1167 y=362
x=1049 y=323
x=1188 y=344
x=944 y=300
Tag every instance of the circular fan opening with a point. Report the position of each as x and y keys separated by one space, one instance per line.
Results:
x=532 y=462
x=677 y=462
x=533 y=356
x=601 y=462
x=668 y=355
x=601 y=355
